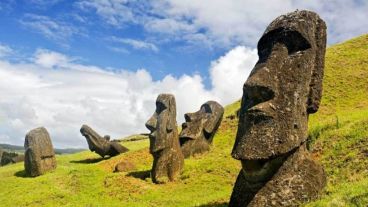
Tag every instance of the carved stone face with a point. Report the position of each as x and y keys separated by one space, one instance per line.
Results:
x=203 y=123
x=101 y=145
x=162 y=123
x=283 y=88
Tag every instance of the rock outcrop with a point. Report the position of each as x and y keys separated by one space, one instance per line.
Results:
x=284 y=87
x=39 y=152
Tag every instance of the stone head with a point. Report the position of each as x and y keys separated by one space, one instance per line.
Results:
x=162 y=123
x=95 y=142
x=284 y=87
x=203 y=123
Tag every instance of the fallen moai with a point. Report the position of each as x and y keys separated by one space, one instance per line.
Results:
x=284 y=87
x=199 y=128
x=168 y=159
x=101 y=145
x=39 y=152
x=10 y=157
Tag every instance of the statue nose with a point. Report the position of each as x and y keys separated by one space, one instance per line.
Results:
x=151 y=123
x=256 y=94
x=188 y=117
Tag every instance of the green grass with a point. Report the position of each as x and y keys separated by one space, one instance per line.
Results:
x=338 y=140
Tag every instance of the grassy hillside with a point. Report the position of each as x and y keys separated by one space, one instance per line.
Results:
x=339 y=131
x=338 y=134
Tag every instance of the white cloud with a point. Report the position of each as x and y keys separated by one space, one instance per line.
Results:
x=5 y=50
x=114 y=12
x=58 y=31
x=56 y=92
x=136 y=44
x=228 y=23
x=229 y=72
x=50 y=59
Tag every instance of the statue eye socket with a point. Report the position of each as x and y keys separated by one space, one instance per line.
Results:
x=160 y=107
x=293 y=41
x=207 y=108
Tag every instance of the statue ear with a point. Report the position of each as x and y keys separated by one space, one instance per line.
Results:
x=171 y=124
x=215 y=118
x=210 y=126
x=315 y=91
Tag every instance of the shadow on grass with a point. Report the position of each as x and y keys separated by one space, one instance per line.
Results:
x=215 y=204
x=140 y=174
x=90 y=160
x=21 y=174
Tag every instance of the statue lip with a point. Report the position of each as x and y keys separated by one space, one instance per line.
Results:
x=156 y=151
x=256 y=112
x=186 y=137
x=150 y=136
x=259 y=170
x=258 y=116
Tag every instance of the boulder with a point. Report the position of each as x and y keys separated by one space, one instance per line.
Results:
x=124 y=166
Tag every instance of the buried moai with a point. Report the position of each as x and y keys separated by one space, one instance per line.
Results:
x=199 y=128
x=168 y=159
x=39 y=152
x=284 y=87
x=101 y=145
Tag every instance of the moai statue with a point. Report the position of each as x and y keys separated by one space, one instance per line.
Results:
x=101 y=145
x=39 y=152
x=199 y=128
x=168 y=159
x=284 y=87
x=10 y=158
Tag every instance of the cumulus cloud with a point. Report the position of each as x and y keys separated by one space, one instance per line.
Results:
x=229 y=72
x=55 y=91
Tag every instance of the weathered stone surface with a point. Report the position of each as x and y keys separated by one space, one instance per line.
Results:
x=101 y=145
x=39 y=152
x=124 y=166
x=199 y=128
x=284 y=87
x=168 y=160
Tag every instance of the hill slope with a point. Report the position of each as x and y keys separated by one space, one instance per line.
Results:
x=339 y=140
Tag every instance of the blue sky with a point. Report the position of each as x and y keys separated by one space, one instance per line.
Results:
x=65 y=63
x=75 y=29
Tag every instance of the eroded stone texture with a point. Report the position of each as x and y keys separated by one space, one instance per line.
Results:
x=101 y=145
x=168 y=159
x=39 y=152
x=284 y=87
x=199 y=128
